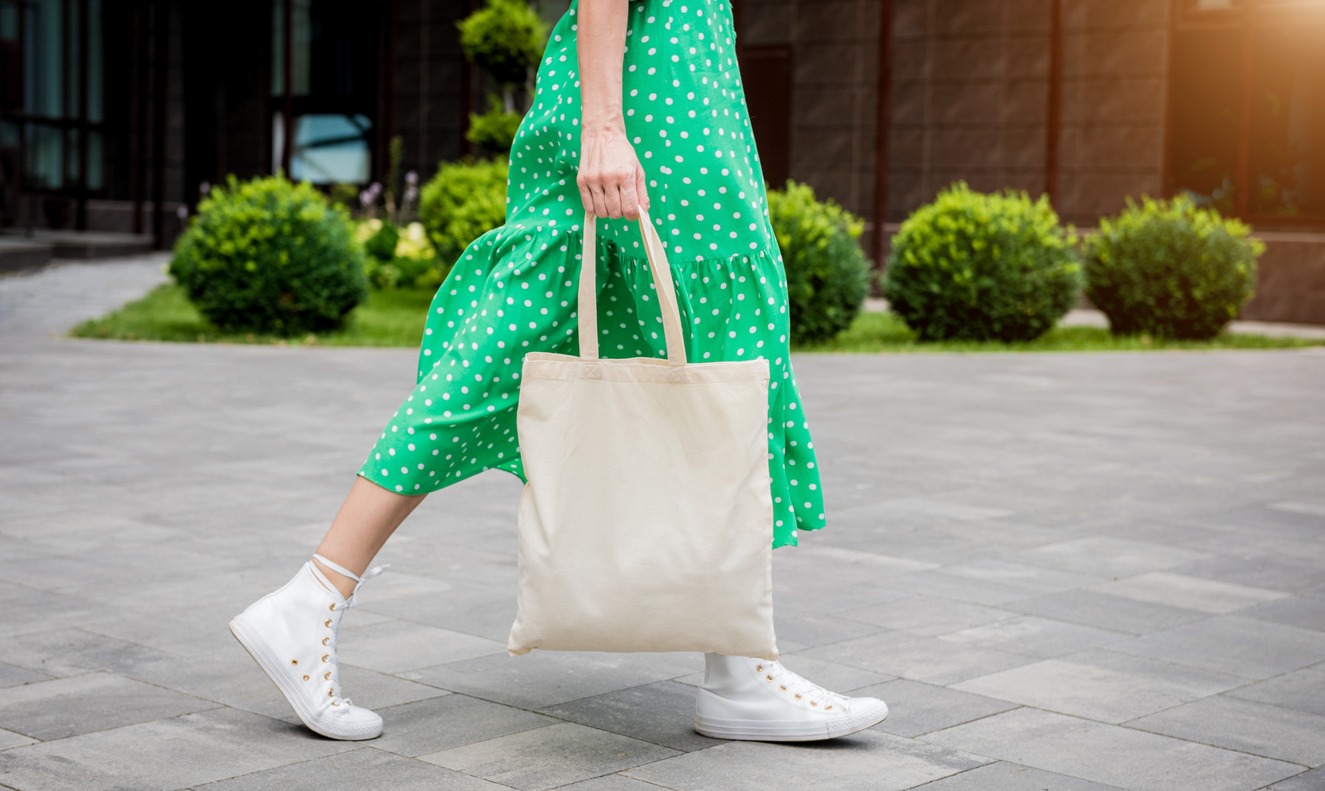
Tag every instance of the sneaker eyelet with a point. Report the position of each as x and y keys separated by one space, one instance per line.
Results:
x=331 y=693
x=294 y=662
x=782 y=687
x=326 y=641
x=334 y=703
x=326 y=676
x=759 y=668
x=814 y=703
x=767 y=676
x=327 y=623
x=798 y=697
x=326 y=657
x=306 y=677
x=332 y=607
x=829 y=706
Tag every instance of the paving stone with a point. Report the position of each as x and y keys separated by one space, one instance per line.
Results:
x=396 y=646
x=661 y=713
x=1313 y=780
x=548 y=757
x=925 y=615
x=611 y=783
x=1223 y=721
x=915 y=708
x=1273 y=572
x=65 y=707
x=931 y=659
x=1003 y=776
x=476 y=611
x=1101 y=685
x=231 y=677
x=990 y=582
x=546 y=678
x=368 y=768
x=1035 y=636
x=1304 y=613
x=1111 y=754
x=166 y=754
x=1109 y=556
x=1193 y=593
x=71 y=652
x=12 y=675
x=436 y=724
x=1301 y=690
x=9 y=739
x=1232 y=644
x=866 y=761
x=1103 y=611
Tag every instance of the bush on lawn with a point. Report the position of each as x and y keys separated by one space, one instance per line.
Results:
x=1170 y=269
x=464 y=200
x=827 y=271
x=270 y=256
x=976 y=266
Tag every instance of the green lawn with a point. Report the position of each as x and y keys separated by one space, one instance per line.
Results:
x=395 y=318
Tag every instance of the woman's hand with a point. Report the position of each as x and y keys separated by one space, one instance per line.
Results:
x=611 y=179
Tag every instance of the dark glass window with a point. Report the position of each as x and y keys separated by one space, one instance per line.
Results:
x=1247 y=107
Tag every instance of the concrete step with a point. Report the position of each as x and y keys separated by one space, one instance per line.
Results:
x=19 y=254
x=18 y=249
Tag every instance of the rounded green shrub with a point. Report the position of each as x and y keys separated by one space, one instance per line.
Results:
x=464 y=200
x=382 y=244
x=506 y=38
x=269 y=256
x=827 y=272
x=494 y=131
x=977 y=266
x=1170 y=269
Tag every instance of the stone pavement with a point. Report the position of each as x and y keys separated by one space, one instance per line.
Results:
x=1075 y=572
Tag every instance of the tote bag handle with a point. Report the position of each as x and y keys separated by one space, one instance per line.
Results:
x=662 y=283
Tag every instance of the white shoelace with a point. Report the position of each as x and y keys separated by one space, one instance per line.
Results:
x=334 y=681
x=799 y=685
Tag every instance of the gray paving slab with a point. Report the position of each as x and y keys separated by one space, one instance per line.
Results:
x=1193 y=593
x=1102 y=685
x=1313 y=780
x=1222 y=721
x=1231 y=644
x=357 y=770
x=1105 y=611
x=551 y=756
x=437 y=724
x=545 y=678
x=915 y=708
x=1301 y=690
x=1003 y=776
x=169 y=754
x=1110 y=754
x=1035 y=636
x=865 y=761
x=660 y=713
x=992 y=516
x=65 y=707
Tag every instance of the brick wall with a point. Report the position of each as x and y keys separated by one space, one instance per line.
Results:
x=1115 y=66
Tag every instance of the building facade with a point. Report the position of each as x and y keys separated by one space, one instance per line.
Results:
x=114 y=112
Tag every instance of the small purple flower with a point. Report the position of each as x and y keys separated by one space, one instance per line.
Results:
x=412 y=177
x=411 y=193
x=182 y=212
x=366 y=198
x=204 y=188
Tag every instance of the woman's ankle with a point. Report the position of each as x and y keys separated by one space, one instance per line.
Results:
x=344 y=584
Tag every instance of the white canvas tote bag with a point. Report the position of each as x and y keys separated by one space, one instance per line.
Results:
x=646 y=523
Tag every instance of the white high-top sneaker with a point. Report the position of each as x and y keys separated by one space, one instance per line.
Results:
x=757 y=700
x=291 y=634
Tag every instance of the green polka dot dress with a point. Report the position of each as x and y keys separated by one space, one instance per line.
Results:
x=513 y=290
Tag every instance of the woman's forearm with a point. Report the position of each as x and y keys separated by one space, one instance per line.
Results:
x=601 y=36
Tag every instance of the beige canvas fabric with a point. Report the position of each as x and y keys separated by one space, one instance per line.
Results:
x=646 y=521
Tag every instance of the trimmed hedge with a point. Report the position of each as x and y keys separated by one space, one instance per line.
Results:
x=1171 y=269
x=270 y=256
x=828 y=274
x=976 y=266
x=461 y=202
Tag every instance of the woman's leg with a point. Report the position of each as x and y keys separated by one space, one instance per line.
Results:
x=367 y=518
